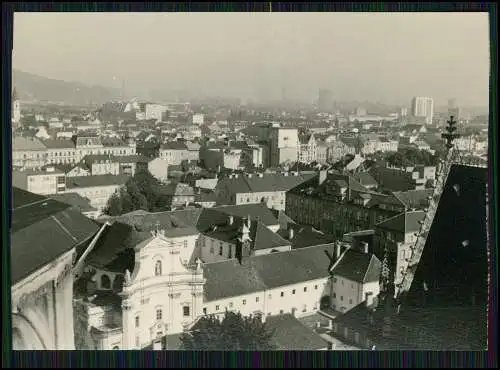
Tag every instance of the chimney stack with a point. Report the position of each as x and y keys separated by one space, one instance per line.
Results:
x=337 y=251
x=368 y=299
x=364 y=245
x=231 y=220
x=290 y=233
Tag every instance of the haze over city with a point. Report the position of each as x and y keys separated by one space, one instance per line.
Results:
x=386 y=57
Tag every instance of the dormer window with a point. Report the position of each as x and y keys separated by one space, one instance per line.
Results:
x=158 y=268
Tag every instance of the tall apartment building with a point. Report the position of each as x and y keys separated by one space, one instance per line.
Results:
x=284 y=145
x=325 y=100
x=423 y=107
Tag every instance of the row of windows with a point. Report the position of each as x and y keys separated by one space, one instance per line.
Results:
x=342 y=298
x=186 y=312
x=293 y=310
x=257 y=299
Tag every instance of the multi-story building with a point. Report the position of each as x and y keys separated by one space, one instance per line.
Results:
x=28 y=152
x=355 y=276
x=269 y=189
x=218 y=158
x=423 y=107
x=307 y=148
x=103 y=164
x=338 y=149
x=398 y=234
x=337 y=204
x=117 y=147
x=96 y=188
x=198 y=119
x=174 y=152
x=153 y=111
x=44 y=182
x=322 y=152
x=60 y=151
x=284 y=145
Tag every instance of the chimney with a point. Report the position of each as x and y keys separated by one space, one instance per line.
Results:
x=364 y=245
x=338 y=249
x=231 y=220
x=290 y=233
x=322 y=177
x=368 y=299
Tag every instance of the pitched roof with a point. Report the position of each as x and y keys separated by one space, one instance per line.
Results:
x=76 y=200
x=99 y=158
x=219 y=215
x=230 y=279
x=405 y=222
x=42 y=230
x=358 y=266
x=24 y=143
x=305 y=236
x=173 y=145
x=97 y=180
x=414 y=198
x=290 y=334
x=134 y=158
x=262 y=237
x=365 y=179
x=59 y=144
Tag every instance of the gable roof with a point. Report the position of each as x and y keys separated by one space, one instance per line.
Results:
x=414 y=198
x=405 y=222
x=75 y=200
x=292 y=335
x=59 y=144
x=358 y=266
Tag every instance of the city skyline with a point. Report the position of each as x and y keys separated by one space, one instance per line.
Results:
x=386 y=57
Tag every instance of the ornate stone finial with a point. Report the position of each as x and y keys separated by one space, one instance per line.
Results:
x=450 y=135
x=128 y=279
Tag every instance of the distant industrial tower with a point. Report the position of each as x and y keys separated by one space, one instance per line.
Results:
x=423 y=107
x=453 y=110
x=16 y=109
x=325 y=100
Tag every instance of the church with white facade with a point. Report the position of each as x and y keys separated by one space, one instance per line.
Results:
x=152 y=275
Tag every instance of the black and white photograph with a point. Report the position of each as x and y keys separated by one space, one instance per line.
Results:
x=208 y=181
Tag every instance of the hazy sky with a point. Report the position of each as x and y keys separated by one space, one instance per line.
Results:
x=387 y=57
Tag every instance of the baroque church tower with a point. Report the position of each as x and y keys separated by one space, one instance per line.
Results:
x=16 y=109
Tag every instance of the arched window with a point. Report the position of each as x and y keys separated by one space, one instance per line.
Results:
x=105 y=282
x=158 y=268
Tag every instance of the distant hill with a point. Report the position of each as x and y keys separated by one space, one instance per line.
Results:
x=40 y=89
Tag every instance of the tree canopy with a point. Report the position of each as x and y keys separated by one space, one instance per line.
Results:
x=410 y=157
x=142 y=191
x=233 y=332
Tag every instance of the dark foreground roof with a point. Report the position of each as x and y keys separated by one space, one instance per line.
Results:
x=290 y=334
x=42 y=230
x=448 y=312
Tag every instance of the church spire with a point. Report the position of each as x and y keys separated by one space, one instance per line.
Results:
x=14 y=95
